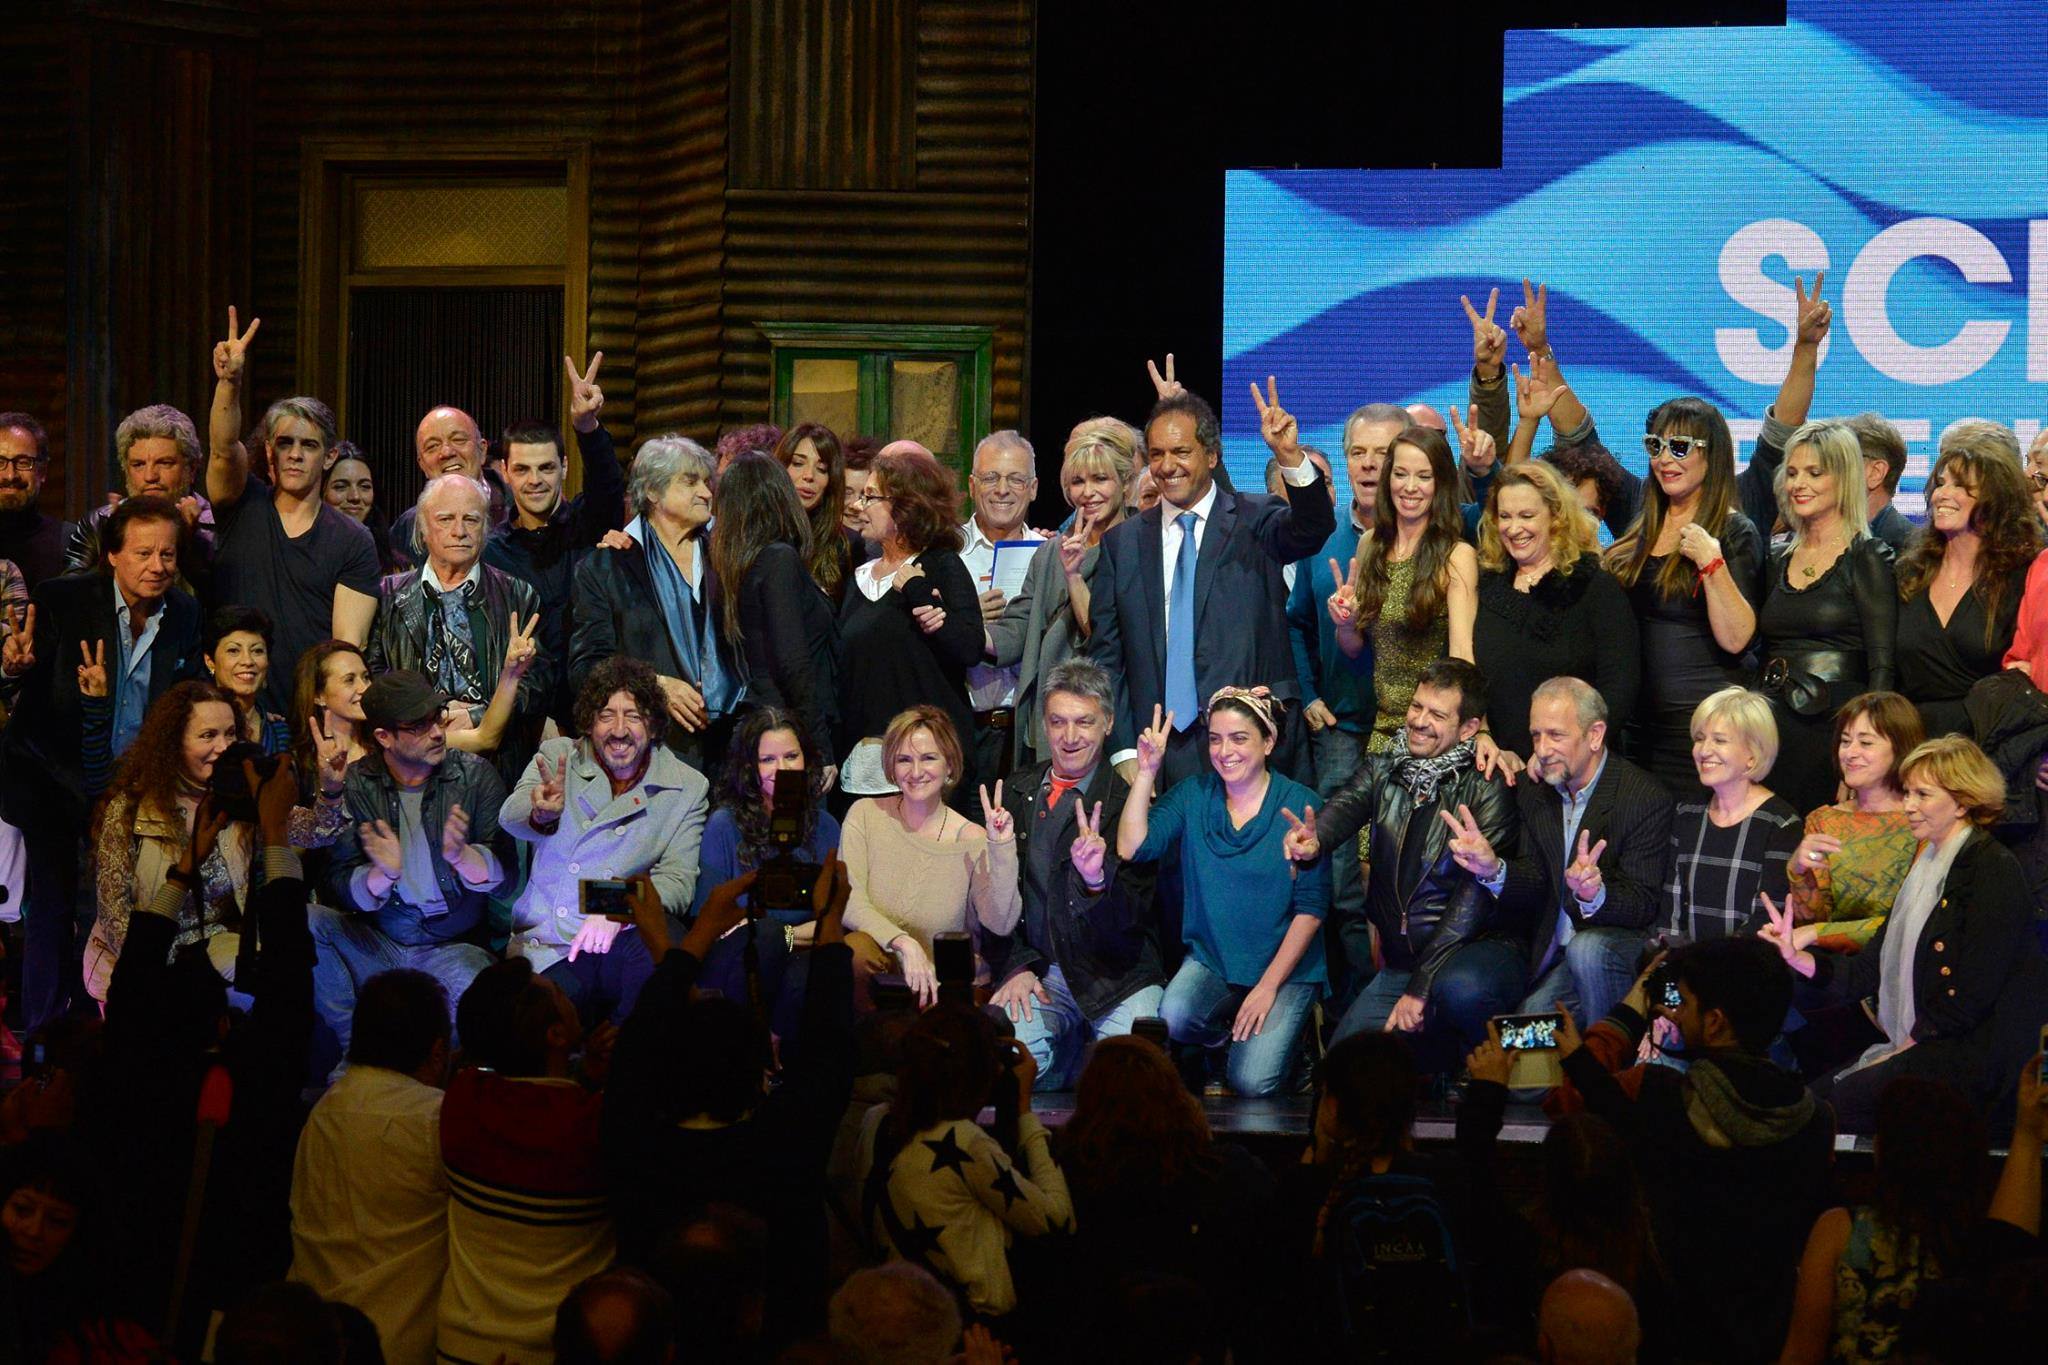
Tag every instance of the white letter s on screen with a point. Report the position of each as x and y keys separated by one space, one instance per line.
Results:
x=1742 y=275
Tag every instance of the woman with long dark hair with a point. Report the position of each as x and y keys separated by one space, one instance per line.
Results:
x=147 y=821
x=1689 y=563
x=778 y=619
x=1416 y=589
x=816 y=465
x=1962 y=578
x=910 y=627
x=770 y=747
x=349 y=487
x=958 y=1215
x=1865 y=1265
x=1830 y=610
x=1154 y=1192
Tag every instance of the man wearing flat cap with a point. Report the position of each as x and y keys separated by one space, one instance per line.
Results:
x=417 y=859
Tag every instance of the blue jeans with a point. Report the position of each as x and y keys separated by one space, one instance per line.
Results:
x=1201 y=1006
x=1593 y=972
x=1347 y=937
x=1058 y=1033
x=1482 y=979
x=349 y=950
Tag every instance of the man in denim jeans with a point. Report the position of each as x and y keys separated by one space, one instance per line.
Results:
x=415 y=863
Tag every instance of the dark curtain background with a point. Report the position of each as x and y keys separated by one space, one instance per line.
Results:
x=493 y=352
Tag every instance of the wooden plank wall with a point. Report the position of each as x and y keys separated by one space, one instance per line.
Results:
x=815 y=160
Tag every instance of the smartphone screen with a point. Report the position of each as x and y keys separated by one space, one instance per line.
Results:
x=602 y=897
x=1527 y=1031
x=1671 y=997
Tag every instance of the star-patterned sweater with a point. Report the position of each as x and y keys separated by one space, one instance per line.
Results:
x=958 y=1201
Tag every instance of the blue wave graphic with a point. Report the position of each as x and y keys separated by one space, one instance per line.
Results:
x=1633 y=159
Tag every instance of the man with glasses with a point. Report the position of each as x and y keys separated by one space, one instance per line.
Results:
x=416 y=861
x=29 y=540
x=1004 y=481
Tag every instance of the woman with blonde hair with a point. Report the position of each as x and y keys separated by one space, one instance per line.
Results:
x=1830 y=612
x=1733 y=841
x=1546 y=607
x=1960 y=983
x=1046 y=623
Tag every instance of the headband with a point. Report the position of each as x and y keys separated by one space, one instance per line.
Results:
x=1258 y=699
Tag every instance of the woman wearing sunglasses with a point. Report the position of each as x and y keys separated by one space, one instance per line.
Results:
x=1692 y=563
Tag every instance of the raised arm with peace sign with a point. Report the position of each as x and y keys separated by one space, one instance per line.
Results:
x=18 y=654
x=231 y=356
x=1489 y=341
x=586 y=399
x=1164 y=385
x=996 y=817
x=1281 y=432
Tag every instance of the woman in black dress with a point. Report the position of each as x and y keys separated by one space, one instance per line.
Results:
x=1830 y=611
x=1961 y=580
x=784 y=625
x=1689 y=564
x=1546 y=607
x=911 y=623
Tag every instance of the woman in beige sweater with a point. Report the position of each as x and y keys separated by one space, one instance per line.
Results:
x=919 y=868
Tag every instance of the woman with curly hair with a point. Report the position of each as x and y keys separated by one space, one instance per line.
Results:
x=1416 y=587
x=816 y=464
x=1546 y=607
x=770 y=748
x=1963 y=577
x=148 y=820
x=911 y=626
x=1154 y=1192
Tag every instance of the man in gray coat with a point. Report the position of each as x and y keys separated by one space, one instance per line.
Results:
x=616 y=804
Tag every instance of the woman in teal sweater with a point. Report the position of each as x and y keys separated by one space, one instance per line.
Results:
x=1252 y=926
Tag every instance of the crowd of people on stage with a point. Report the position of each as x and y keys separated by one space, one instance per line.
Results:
x=596 y=927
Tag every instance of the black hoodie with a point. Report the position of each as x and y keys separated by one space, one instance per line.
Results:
x=1735 y=1158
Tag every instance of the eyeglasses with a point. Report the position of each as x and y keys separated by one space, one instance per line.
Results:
x=1678 y=447
x=22 y=464
x=868 y=495
x=992 y=482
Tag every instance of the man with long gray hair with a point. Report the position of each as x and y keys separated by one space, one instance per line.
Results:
x=657 y=600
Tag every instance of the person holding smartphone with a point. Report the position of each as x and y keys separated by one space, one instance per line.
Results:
x=616 y=804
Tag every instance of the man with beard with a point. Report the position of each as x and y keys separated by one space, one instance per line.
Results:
x=29 y=540
x=614 y=805
x=1452 y=963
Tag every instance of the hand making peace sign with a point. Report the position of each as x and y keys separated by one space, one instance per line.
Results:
x=92 y=668
x=1281 y=432
x=1164 y=386
x=1469 y=848
x=1343 y=603
x=1300 y=845
x=1583 y=876
x=521 y=650
x=586 y=399
x=1475 y=443
x=1152 y=741
x=1782 y=934
x=18 y=653
x=552 y=793
x=1531 y=319
x=996 y=817
x=1813 y=313
x=1089 y=849
x=1489 y=342
x=232 y=355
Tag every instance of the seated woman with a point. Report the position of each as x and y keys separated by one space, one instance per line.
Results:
x=1155 y=1194
x=770 y=747
x=147 y=822
x=919 y=868
x=1251 y=920
x=1848 y=869
x=236 y=647
x=942 y=1191
x=328 y=734
x=1733 y=840
x=1958 y=976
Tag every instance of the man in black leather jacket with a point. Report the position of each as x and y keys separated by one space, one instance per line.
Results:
x=1451 y=963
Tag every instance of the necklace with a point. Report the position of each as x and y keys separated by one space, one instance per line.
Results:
x=1811 y=569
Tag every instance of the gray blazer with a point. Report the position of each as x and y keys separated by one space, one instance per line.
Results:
x=655 y=828
x=1037 y=631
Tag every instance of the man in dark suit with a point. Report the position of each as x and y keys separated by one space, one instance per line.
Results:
x=131 y=619
x=658 y=601
x=1172 y=633
x=1596 y=849
x=1083 y=962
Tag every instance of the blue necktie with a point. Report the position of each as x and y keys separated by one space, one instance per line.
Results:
x=1180 y=630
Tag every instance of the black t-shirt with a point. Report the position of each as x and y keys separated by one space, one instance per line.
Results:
x=290 y=579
